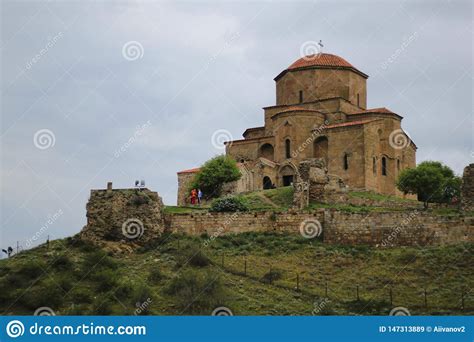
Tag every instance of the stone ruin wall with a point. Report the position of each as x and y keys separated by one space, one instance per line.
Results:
x=467 y=188
x=384 y=229
x=122 y=219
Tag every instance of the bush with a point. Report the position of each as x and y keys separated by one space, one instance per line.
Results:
x=193 y=256
x=62 y=262
x=98 y=260
x=214 y=174
x=228 y=204
x=271 y=276
x=106 y=279
x=196 y=293
x=81 y=295
x=155 y=275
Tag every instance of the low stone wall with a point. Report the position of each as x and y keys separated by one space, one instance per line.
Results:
x=217 y=223
x=384 y=229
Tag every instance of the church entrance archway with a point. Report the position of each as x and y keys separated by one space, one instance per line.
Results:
x=287 y=174
x=267 y=183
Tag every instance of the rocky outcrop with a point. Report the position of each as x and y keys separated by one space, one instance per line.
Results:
x=123 y=219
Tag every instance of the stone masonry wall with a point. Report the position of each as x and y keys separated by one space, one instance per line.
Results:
x=383 y=229
x=467 y=188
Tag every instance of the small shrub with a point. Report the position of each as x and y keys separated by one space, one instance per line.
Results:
x=123 y=290
x=106 y=279
x=193 y=256
x=196 y=292
x=98 y=260
x=272 y=275
x=228 y=204
x=155 y=275
x=81 y=295
x=62 y=262
x=141 y=294
x=47 y=293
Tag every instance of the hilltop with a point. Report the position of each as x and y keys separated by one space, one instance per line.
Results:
x=250 y=273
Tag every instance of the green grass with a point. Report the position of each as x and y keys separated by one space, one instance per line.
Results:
x=379 y=197
x=171 y=209
x=251 y=273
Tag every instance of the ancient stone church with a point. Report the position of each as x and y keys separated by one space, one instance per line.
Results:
x=320 y=112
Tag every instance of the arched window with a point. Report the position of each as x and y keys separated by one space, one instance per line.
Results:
x=384 y=166
x=301 y=96
x=288 y=148
x=398 y=164
x=358 y=101
x=374 y=165
x=346 y=161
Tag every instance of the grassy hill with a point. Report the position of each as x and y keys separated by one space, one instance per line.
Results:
x=251 y=274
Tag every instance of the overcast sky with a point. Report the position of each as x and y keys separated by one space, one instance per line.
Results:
x=80 y=80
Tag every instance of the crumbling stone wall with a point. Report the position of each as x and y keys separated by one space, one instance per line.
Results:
x=382 y=229
x=467 y=188
x=314 y=184
x=122 y=219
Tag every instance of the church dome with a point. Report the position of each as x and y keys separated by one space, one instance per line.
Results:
x=321 y=60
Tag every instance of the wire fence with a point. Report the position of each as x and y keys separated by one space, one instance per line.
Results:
x=421 y=298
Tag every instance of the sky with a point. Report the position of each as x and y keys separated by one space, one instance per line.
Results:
x=118 y=91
